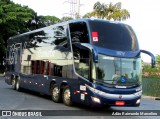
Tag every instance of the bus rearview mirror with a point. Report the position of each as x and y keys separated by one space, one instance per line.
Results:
x=153 y=59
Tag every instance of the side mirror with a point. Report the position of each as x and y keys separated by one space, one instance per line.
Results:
x=153 y=59
x=93 y=50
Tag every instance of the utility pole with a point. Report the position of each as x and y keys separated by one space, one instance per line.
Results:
x=78 y=9
x=74 y=8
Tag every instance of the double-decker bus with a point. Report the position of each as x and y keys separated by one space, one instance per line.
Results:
x=89 y=61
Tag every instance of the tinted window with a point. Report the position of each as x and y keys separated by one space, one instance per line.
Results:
x=81 y=60
x=49 y=36
x=113 y=36
x=79 y=32
x=45 y=51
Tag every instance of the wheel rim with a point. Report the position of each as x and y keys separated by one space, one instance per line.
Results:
x=55 y=93
x=13 y=83
x=67 y=96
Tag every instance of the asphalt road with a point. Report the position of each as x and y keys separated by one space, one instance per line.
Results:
x=27 y=100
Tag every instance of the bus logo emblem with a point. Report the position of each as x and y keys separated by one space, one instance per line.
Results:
x=120 y=96
x=120 y=53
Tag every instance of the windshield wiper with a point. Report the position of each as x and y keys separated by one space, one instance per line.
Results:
x=102 y=82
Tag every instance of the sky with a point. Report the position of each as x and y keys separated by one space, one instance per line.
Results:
x=145 y=17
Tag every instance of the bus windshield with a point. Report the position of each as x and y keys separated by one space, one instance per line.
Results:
x=115 y=36
x=118 y=71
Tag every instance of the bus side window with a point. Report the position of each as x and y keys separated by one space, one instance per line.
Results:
x=60 y=37
x=79 y=34
x=81 y=60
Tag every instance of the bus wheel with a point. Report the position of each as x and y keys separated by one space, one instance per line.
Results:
x=17 y=85
x=66 y=96
x=14 y=83
x=55 y=93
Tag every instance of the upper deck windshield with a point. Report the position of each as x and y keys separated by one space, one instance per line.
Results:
x=113 y=36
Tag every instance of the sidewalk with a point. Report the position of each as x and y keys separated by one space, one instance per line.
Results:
x=1 y=74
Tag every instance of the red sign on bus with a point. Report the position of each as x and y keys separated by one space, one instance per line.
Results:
x=95 y=36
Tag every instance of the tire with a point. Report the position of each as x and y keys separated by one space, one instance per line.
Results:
x=66 y=96
x=14 y=83
x=55 y=93
x=17 y=85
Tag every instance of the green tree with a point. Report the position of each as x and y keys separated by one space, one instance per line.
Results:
x=41 y=21
x=153 y=72
x=88 y=15
x=108 y=11
x=48 y=20
x=100 y=10
x=13 y=19
x=65 y=18
x=158 y=61
x=117 y=13
x=16 y=19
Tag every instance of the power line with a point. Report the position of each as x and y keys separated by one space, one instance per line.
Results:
x=74 y=11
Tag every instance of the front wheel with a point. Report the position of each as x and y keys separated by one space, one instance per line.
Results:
x=66 y=96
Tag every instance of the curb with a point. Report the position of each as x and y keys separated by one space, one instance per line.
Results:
x=2 y=74
x=157 y=98
x=150 y=97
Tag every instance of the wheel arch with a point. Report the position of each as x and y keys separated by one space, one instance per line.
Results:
x=63 y=84
x=51 y=84
x=17 y=77
x=12 y=76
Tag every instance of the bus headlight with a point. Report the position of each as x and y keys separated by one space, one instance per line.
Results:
x=95 y=99
x=138 y=101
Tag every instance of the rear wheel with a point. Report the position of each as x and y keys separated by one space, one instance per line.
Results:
x=55 y=93
x=66 y=96
x=14 y=83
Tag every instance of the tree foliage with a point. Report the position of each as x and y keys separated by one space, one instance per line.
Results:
x=41 y=21
x=66 y=18
x=12 y=21
x=158 y=61
x=88 y=15
x=16 y=19
x=152 y=72
x=108 y=11
x=10 y=12
x=48 y=20
x=13 y=18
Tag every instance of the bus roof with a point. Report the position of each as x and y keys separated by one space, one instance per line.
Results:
x=63 y=23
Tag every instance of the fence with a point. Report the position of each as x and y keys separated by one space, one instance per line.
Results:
x=151 y=87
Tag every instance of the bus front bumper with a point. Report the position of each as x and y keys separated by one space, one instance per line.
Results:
x=102 y=98
x=101 y=101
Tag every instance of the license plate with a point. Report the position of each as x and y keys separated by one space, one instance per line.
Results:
x=119 y=103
